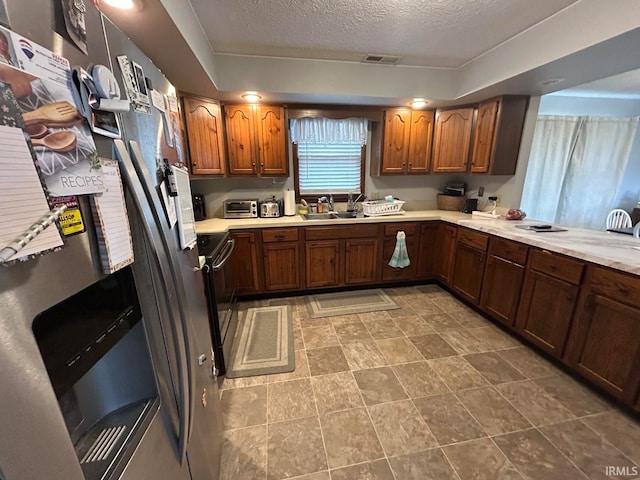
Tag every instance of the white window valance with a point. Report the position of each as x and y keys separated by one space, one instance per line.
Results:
x=325 y=131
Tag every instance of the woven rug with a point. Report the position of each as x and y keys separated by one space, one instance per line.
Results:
x=264 y=343
x=345 y=303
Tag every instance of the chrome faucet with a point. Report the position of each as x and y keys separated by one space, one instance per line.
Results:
x=351 y=202
x=329 y=199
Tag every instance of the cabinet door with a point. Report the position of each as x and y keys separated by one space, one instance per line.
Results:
x=406 y=273
x=323 y=263
x=427 y=250
x=281 y=266
x=444 y=251
x=272 y=146
x=361 y=265
x=239 y=121
x=605 y=345
x=397 y=126
x=244 y=260
x=204 y=134
x=468 y=268
x=452 y=140
x=545 y=310
x=484 y=137
x=501 y=289
x=420 y=142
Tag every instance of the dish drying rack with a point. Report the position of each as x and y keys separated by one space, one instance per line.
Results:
x=378 y=208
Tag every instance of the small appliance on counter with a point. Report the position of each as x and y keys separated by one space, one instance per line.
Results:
x=240 y=208
x=199 y=211
x=271 y=208
x=470 y=204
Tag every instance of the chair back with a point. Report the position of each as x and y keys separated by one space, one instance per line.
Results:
x=636 y=231
x=618 y=218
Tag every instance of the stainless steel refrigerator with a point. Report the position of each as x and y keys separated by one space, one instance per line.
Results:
x=108 y=376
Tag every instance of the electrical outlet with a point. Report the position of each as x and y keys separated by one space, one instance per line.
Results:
x=374 y=196
x=498 y=199
x=480 y=191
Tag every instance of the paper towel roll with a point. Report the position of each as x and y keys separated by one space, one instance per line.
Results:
x=289 y=203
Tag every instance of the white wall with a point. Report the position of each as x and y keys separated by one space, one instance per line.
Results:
x=629 y=190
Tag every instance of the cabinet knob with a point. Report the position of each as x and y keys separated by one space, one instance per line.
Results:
x=241 y=146
x=262 y=164
x=194 y=164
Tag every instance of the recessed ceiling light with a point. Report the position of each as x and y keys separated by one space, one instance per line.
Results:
x=419 y=103
x=251 y=96
x=123 y=4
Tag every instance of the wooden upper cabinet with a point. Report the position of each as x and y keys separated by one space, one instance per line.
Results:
x=256 y=140
x=452 y=140
x=204 y=136
x=496 y=141
x=407 y=141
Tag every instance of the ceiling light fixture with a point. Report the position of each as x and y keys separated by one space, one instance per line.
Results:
x=123 y=4
x=419 y=103
x=251 y=96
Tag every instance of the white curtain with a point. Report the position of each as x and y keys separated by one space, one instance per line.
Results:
x=575 y=168
x=325 y=131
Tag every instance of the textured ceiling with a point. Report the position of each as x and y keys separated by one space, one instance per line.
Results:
x=438 y=33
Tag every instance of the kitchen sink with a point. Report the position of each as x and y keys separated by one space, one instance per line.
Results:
x=328 y=215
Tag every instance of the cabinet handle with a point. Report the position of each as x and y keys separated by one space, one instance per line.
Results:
x=481 y=259
x=570 y=297
x=280 y=236
x=194 y=165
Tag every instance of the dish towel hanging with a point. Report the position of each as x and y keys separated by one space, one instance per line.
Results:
x=400 y=257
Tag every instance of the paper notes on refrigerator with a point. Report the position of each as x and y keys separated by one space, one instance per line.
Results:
x=24 y=200
x=111 y=220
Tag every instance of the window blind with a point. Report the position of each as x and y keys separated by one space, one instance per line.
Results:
x=331 y=168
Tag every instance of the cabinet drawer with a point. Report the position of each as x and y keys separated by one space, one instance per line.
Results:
x=391 y=229
x=473 y=239
x=615 y=285
x=557 y=266
x=346 y=231
x=279 y=235
x=511 y=251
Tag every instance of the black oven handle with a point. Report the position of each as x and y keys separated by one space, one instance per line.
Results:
x=224 y=255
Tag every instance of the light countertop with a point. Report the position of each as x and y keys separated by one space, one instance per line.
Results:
x=603 y=248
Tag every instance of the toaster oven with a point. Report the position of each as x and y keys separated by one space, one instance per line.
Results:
x=240 y=209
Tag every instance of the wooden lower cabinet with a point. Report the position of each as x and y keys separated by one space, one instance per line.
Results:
x=244 y=260
x=501 y=289
x=390 y=273
x=468 y=269
x=604 y=344
x=360 y=261
x=281 y=266
x=322 y=263
x=426 y=250
x=445 y=249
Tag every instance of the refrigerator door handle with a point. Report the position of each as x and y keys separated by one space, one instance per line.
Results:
x=159 y=251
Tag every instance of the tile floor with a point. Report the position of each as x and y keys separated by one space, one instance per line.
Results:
x=428 y=391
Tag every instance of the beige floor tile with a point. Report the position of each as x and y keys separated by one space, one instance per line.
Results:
x=469 y=318
x=324 y=475
x=575 y=397
x=301 y=370
x=343 y=319
x=420 y=380
x=307 y=322
x=533 y=402
x=480 y=460
x=295 y=448
x=432 y=346
x=465 y=341
x=529 y=363
x=379 y=385
x=399 y=350
x=226 y=383
x=375 y=316
x=412 y=325
x=448 y=419
x=349 y=438
x=431 y=289
x=361 y=355
x=298 y=341
x=426 y=306
x=405 y=311
x=450 y=304
x=289 y=400
x=352 y=332
x=320 y=337
x=587 y=450
x=495 y=338
x=337 y=391
x=492 y=411
x=457 y=373
x=326 y=360
x=378 y=470
x=243 y=407
x=441 y=322
x=618 y=429
x=401 y=429
x=385 y=328
x=536 y=458
x=493 y=367
x=244 y=454
x=425 y=465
